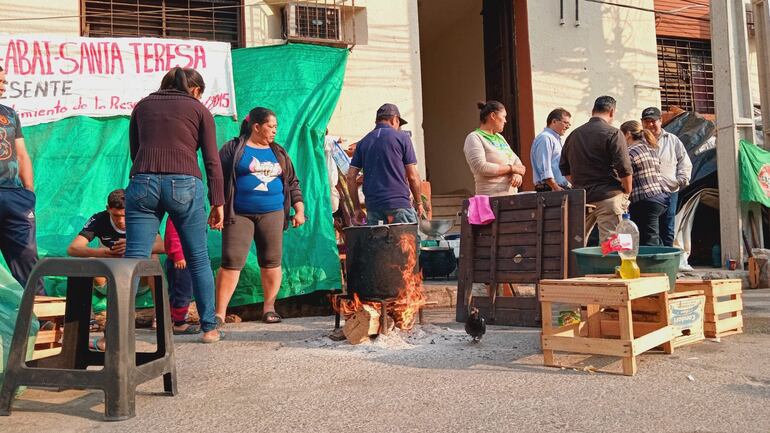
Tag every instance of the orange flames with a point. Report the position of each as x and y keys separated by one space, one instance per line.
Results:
x=406 y=307
x=410 y=297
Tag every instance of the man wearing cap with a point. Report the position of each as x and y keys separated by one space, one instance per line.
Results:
x=675 y=169
x=389 y=164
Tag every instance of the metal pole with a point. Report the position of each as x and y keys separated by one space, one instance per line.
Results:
x=734 y=116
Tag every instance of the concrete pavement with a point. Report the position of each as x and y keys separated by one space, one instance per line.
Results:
x=291 y=378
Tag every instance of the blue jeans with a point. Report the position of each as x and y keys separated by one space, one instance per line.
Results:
x=148 y=198
x=401 y=215
x=668 y=220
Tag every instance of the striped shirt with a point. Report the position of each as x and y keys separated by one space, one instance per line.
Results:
x=647 y=181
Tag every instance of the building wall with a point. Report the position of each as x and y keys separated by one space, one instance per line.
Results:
x=680 y=27
x=612 y=52
x=384 y=68
x=39 y=9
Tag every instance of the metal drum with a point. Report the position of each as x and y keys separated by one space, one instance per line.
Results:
x=375 y=259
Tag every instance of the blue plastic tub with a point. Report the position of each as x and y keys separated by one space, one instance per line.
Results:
x=651 y=260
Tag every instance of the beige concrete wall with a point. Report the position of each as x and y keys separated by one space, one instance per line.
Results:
x=452 y=51
x=65 y=11
x=385 y=68
x=611 y=52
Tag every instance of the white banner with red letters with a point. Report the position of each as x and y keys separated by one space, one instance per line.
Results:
x=53 y=77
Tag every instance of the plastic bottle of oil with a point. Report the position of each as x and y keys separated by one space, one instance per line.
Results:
x=628 y=267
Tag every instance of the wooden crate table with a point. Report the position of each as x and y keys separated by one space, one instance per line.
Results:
x=48 y=342
x=593 y=293
x=724 y=305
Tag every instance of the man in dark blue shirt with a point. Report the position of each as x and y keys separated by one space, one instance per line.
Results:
x=386 y=157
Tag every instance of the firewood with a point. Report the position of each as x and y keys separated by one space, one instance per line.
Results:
x=362 y=324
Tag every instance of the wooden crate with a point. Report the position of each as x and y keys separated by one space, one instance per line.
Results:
x=724 y=305
x=687 y=317
x=617 y=336
x=48 y=342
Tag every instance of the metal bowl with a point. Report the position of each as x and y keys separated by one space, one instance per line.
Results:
x=437 y=227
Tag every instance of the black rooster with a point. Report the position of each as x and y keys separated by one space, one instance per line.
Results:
x=475 y=325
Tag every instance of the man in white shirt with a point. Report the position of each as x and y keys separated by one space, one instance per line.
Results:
x=675 y=168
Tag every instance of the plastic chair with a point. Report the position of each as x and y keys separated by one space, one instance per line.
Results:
x=124 y=368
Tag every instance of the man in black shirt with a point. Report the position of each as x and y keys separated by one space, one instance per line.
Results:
x=595 y=158
x=109 y=226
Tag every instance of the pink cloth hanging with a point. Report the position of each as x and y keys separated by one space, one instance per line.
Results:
x=479 y=210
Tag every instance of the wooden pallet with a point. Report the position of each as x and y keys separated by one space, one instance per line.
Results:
x=724 y=305
x=530 y=239
x=597 y=335
x=48 y=342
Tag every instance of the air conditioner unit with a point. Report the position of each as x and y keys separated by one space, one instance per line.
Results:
x=312 y=22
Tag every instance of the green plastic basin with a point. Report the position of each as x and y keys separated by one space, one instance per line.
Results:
x=651 y=260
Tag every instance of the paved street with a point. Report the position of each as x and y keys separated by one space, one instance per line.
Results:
x=290 y=377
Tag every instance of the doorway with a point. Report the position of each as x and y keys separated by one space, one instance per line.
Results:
x=468 y=54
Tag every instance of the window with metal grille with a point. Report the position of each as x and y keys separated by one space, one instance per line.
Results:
x=686 y=75
x=211 y=20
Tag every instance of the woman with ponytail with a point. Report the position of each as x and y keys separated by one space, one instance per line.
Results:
x=649 y=199
x=261 y=187
x=167 y=129
x=496 y=169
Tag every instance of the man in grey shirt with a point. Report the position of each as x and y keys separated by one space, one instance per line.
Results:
x=675 y=169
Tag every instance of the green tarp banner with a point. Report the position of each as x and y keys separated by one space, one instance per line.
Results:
x=754 y=164
x=78 y=161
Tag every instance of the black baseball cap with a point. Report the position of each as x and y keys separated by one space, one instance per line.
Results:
x=651 y=113
x=388 y=110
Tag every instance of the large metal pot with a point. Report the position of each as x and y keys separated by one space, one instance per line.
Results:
x=375 y=259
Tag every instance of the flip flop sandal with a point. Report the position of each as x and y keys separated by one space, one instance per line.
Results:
x=94 y=345
x=220 y=335
x=190 y=330
x=271 y=317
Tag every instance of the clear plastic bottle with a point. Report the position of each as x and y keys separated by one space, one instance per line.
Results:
x=628 y=267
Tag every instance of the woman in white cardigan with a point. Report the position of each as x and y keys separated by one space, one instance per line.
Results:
x=496 y=169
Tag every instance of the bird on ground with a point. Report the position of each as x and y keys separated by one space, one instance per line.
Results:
x=475 y=325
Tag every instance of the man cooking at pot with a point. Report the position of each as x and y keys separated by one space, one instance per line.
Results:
x=389 y=164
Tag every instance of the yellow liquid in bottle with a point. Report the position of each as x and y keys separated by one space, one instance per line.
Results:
x=629 y=269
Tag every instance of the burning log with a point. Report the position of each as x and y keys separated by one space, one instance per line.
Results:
x=362 y=324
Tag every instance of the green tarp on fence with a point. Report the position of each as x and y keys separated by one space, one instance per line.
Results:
x=79 y=160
